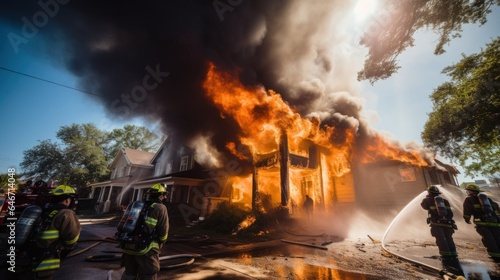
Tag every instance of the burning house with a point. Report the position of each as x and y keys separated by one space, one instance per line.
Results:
x=261 y=97
x=282 y=157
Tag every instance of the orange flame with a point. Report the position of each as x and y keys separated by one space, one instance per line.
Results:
x=263 y=116
x=379 y=149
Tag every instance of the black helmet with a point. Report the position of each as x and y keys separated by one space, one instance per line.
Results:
x=433 y=190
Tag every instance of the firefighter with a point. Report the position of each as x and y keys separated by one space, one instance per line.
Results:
x=142 y=261
x=308 y=206
x=440 y=220
x=485 y=217
x=55 y=236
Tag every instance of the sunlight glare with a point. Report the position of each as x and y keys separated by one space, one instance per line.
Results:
x=364 y=8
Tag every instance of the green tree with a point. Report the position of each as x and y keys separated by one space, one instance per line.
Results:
x=392 y=32
x=134 y=137
x=84 y=152
x=78 y=160
x=45 y=160
x=5 y=184
x=464 y=124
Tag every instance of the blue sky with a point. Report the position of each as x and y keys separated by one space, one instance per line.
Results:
x=33 y=110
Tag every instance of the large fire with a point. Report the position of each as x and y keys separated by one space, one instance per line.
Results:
x=315 y=164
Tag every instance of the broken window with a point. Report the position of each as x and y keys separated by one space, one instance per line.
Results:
x=407 y=173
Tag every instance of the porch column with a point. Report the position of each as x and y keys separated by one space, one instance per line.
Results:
x=255 y=187
x=284 y=169
x=107 y=203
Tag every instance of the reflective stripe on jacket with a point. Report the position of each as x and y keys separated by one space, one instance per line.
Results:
x=63 y=232
x=48 y=264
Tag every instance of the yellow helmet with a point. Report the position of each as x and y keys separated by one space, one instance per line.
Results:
x=472 y=187
x=157 y=189
x=63 y=190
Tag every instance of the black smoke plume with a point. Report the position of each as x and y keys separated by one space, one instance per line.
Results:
x=149 y=58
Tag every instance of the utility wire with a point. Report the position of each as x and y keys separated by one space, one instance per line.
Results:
x=47 y=81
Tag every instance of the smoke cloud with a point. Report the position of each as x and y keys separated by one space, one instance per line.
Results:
x=149 y=58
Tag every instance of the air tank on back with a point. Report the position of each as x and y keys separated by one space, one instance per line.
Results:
x=26 y=223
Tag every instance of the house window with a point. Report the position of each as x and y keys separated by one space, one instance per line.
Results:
x=121 y=172
x=157 y=168
x=184 y=163
x=169 y=167
x=306 y=185
x=407 y=173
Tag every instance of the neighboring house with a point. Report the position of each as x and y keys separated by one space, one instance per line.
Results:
x=128 y=167
x=481 y=183
x=190 y=187
x=386 y=186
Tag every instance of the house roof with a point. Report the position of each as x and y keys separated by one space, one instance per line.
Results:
x=134 y=157
x=450 y=168
x=113 y=182
x=138 y=157
x=165 y=141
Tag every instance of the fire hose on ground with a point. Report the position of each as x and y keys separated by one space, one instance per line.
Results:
x=441 y=272
x=116 y=255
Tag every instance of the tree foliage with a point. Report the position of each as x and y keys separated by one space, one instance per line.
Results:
x=85 y=160
x=83 y=153
x=5 y=184
x=45 y=160
x=392 y=32
x=135 y=137
x=464 y=124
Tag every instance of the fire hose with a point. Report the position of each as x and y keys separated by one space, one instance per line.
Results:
x=117 y=255
x=297 y=234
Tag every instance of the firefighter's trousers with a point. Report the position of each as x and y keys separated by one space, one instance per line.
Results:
x=490 y=236
x=143 y=267
x=444 y=241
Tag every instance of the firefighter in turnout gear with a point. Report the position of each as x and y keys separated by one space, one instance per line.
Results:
x=54 y=236
x=440 y=220
x=141 y=247
x=485 y=213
